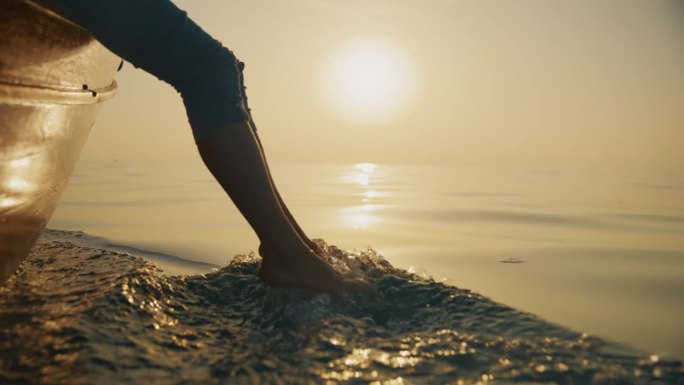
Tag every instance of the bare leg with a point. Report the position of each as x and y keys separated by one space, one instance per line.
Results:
x=234 y=158
x=312 y=245
x=158 y=37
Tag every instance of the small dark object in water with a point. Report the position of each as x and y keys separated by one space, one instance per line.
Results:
x=511 y=260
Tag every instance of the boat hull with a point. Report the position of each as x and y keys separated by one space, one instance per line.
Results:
x=53 y=78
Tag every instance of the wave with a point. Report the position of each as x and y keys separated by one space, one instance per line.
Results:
x=78 y=314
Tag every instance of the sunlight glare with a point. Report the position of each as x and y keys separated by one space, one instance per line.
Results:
x=366 y=167
x=17 y=184
x=8 y=202
x=367 y=80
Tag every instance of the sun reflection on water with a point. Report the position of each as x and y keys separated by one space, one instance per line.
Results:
x=362 y=215
x=366 y=167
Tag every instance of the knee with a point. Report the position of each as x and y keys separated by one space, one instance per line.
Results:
x=213 y=94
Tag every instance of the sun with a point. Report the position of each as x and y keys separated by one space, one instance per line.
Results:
x=367 y=80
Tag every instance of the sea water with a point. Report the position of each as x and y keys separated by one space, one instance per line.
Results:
x=79 y=314
x=599 y=251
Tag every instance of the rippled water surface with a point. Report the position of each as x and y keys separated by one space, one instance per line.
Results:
x=81 y=315
x=598 y=251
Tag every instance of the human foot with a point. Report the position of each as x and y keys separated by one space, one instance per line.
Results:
x=318 y=249
x=303 y=270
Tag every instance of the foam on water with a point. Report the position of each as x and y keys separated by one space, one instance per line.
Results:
x=75 y=314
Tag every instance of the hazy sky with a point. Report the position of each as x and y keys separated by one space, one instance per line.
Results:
x=574 y=83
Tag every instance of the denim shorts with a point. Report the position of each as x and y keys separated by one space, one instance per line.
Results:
x=160 y=38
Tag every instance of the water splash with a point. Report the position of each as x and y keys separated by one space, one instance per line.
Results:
x=77 y=315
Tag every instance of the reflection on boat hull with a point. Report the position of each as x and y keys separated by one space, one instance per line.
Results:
x=53 y=77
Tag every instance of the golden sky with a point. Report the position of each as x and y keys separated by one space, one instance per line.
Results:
x=574 y=83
